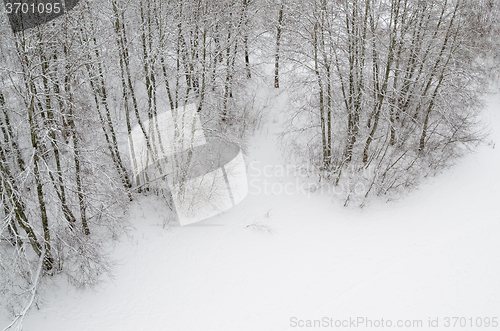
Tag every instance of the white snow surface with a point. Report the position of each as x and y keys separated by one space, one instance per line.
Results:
x=276 y=257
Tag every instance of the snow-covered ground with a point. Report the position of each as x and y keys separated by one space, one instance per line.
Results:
x=277 y=261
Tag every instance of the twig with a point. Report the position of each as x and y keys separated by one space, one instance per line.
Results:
x=18 y=320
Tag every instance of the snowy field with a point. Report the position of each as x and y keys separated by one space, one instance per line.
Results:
x=281 y=261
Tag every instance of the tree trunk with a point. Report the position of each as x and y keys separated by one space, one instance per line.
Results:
x=279 y=28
